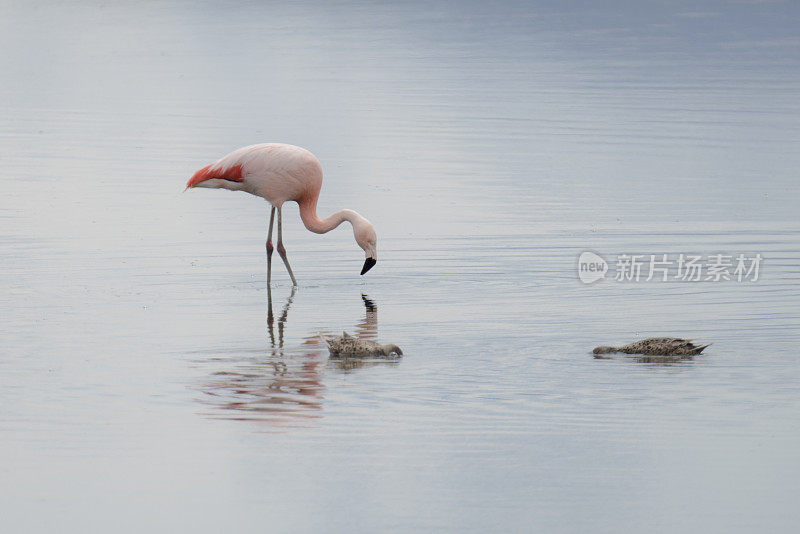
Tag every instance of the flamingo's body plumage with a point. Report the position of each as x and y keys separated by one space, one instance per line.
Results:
x=280 y=173
x=273 y=171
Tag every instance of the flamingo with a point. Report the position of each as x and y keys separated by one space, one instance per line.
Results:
x=278 y=173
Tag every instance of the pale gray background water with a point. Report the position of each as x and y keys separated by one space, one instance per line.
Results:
x=140 y=389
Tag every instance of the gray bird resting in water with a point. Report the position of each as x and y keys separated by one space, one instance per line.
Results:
x=657 y=346
x=349 y=346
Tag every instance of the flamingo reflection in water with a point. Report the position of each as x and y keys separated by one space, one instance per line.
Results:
x=283 y=390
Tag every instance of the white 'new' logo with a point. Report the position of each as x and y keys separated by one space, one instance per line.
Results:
x=591 y=267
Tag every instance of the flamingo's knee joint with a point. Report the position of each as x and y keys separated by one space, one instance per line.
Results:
x=281 y=249
x=270 y=248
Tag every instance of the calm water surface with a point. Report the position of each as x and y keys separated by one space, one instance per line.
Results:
x=145 y=384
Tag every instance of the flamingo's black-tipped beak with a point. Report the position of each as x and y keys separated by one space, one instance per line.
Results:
x=369 y=263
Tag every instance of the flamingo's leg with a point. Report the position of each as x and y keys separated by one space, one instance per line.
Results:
x=269 y=246
x=282 y=250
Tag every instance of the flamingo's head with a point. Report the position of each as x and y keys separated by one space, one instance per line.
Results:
x=367 y=239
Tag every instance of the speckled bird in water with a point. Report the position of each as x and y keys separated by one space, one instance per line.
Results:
x=349 y=346
x=657 y=346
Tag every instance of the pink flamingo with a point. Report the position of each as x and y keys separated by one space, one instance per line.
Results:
x=279 y=172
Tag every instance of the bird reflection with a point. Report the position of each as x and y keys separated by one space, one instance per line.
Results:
x=640 y=358
x=368 y=327
x=278 y=348
x=281 y=388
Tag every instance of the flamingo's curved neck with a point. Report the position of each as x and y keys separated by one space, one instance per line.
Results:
x=308 y=213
